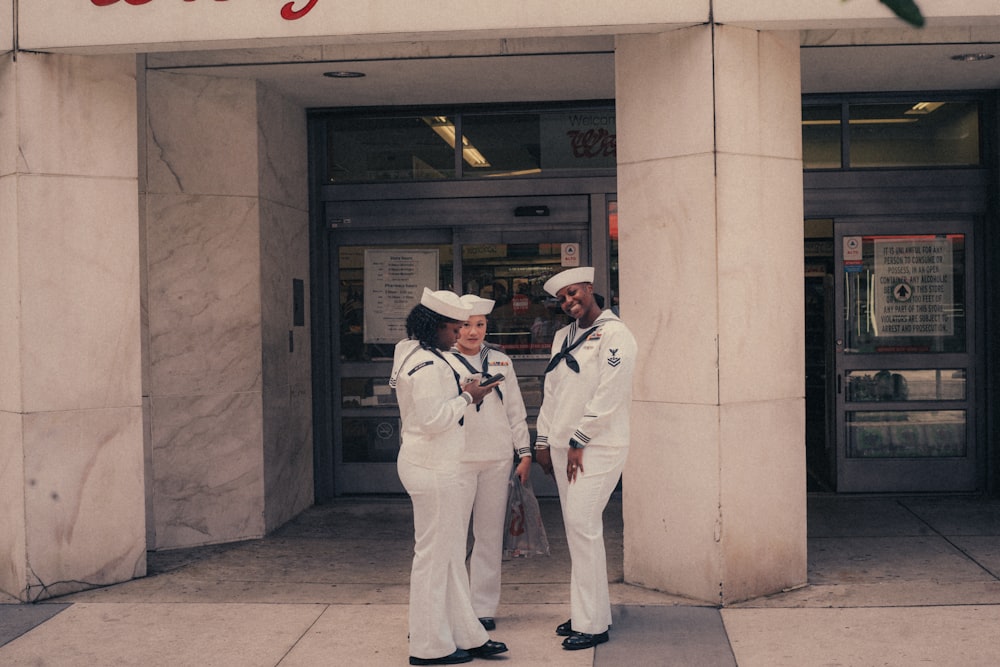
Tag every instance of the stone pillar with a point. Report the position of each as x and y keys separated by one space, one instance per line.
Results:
x=71 y=464
x=287 y=369
x=226 y=222
x=710 y=211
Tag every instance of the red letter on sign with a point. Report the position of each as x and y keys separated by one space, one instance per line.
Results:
x=289 y=13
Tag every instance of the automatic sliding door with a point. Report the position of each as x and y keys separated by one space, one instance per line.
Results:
x=380 y=275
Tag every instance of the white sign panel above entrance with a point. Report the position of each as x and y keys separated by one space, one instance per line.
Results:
x=161 y=25
x=577 y=140
x=914 y=287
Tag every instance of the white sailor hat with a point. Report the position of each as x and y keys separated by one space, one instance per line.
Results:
x=479 y=305
x=581 y=274
x=445 y=302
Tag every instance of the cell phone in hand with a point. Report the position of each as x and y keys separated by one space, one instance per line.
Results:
x=490 y=379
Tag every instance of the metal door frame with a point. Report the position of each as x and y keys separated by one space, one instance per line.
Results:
x=913 y=474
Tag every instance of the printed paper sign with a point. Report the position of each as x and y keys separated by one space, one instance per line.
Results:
x=914 y=290
x=394 y=283
x=570 y=254
x=852 y=249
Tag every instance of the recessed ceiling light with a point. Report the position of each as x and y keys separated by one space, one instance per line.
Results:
x=972 y=57
x=344 y=75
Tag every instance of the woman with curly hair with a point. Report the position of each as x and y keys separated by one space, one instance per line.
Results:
x=444 y=629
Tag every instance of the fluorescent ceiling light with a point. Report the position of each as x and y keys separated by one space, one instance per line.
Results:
x=446 y=130
x=521 y=172
x=924 y=108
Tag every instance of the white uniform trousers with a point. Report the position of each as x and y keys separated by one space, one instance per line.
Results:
x=487 y=496
x=583 y=504
x=440 y=613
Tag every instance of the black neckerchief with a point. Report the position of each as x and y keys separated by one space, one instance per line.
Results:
x=484 y=358
x=567 y=349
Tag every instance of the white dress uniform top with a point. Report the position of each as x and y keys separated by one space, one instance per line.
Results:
x=494 y=431
x=431 y=407
x=591 y=406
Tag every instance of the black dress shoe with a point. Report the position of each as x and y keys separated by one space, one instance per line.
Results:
x=566 y=629
x=487 y=649
x=459 y=656
x=488 y=623
x=580 y=640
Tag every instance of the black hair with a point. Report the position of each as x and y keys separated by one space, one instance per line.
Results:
x=422 y=324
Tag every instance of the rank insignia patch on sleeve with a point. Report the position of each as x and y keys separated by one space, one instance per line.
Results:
x=419 y=366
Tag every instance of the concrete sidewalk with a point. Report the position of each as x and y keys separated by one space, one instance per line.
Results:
x=893 y=581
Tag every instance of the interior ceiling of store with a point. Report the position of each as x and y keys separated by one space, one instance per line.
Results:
x=590 y=75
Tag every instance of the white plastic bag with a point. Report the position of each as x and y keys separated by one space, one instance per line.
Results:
x=524 y=534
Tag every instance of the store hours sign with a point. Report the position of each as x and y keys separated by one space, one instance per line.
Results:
x=394 y=282
x=914 y=287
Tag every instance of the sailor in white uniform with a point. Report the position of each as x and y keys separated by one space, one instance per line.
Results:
x=583 y=435
x=444 y=629
x=495 y=430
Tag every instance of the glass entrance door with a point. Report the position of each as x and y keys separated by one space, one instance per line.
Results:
x=906 y=357
x=379 y=278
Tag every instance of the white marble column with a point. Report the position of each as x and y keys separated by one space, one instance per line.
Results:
x=710 y=217
x=71 y=466
x=226 y=228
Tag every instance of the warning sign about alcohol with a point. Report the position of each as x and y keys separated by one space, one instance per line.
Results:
x=914 y=289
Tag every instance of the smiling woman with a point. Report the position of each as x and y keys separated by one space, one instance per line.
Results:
x=583 y=440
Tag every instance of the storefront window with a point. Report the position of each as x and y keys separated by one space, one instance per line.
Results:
x=437 y=145
x=933 y=384
x=910 y=434
x=524 y=318
x=914 y=134
x=821 y=134
x=388 y=148
x=556 y=143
